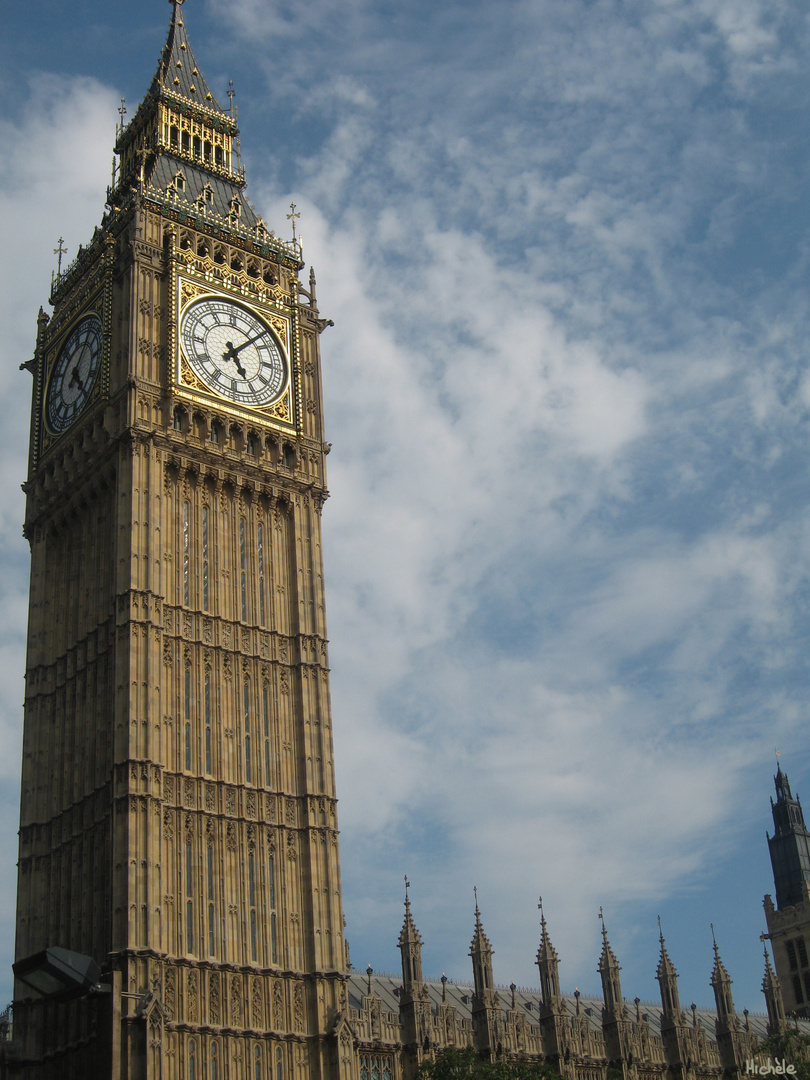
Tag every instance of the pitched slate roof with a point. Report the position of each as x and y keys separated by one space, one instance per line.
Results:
x=196 y=179
x=177 y=70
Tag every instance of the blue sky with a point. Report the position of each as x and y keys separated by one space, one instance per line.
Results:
x=565 y=247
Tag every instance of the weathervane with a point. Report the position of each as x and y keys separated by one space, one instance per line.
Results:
x=292 y=216
x=60 y=251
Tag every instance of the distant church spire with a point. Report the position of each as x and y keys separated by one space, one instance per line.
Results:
x=777 y=1022
x=668 y=981
x=789 y=846
x=548 y=963
x=721 y=984
x=611 y=983
x=410 y=947
x=481 y=952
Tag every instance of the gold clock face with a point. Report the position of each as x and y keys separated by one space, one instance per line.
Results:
x=74 y=374
x=233 y=352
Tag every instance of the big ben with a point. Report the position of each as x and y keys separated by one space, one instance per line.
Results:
x=178 y=815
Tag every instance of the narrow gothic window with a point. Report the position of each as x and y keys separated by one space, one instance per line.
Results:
x=186 y=513
x=802 y=951
x=791 y=951
x=797 y=989
x=208 y=722
x=261 y=573
x=211 y=899
x=192 y=1061
x=205 y=556
x=279 y=1065
x=213 y=435
x=266 y=715
x=186 y=141
x=252 y=899
x=257 y=1066
x=187 y=715
x=243 y=568
x=189 y=902
x=273 y=938
x=214 y=1062
x=246 y=713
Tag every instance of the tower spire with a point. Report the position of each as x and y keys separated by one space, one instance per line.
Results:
x=667 y=978
x=548 y=964
x=777 y=1022
x=410 y=947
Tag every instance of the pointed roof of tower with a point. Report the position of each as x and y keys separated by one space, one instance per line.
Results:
x=782 y=784
x=480 y=942
x=408 y=935
x=769 y=979
x=666 y=969
x=545 y=950
x=177 y=69
x=607 y=960
x=720 y=977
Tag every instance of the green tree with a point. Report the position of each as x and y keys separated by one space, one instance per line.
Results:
x=454 y=1064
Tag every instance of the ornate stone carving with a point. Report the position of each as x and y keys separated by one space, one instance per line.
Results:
x=236 y=1001
x=257 y=1010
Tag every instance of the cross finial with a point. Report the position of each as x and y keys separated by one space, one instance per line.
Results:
x=60 y=251
x=177 y=3
x=407 y=886
x=292 y=217
x=778 y=755
x=231 y=94
x=475 y=892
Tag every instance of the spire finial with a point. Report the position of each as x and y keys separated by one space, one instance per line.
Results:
x=407 y=886
x=660 y=931
x=60 y=251
x=231 y=94
x=714 y=939
x=122 y=111
x=292 y=216
x=604 y=928
x=475 y=891
x=542 y=913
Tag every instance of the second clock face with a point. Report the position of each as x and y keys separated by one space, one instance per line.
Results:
x=74 y=374
x=233 y=352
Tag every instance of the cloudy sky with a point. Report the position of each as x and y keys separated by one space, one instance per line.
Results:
x=565 y=247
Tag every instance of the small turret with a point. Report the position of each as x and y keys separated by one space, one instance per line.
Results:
x=721 y=984
x=548 y=964
x=777 y=1022
x=613 y=1007
x=410 y=947
x=486 y=1009
x=667 y=978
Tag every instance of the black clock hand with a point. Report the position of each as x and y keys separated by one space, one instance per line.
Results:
x=232 y=354
x=76 y=378
x=233 y=351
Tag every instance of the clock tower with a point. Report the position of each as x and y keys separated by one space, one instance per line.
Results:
x=178 y=815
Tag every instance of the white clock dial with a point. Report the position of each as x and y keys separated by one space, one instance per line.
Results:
x=233 y=352
x=74 y=374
